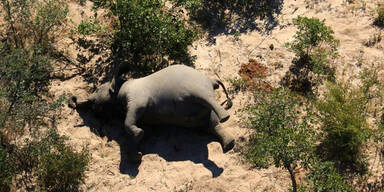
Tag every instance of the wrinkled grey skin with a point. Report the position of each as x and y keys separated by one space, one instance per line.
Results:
x=177 y=95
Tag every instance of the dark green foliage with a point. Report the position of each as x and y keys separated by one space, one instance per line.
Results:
x=218 y=13
x=147 y=35
x=91 y=26
x=6 y=172
x=379 y=20
x=24 y=77
x=315 y=47
x=60 y=168
x=48 y=161
x=43 y=161
x=342 y=114
x=283 y=134
x=324 y=178
x=311 y=38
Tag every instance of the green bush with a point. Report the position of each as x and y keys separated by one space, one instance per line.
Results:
x=323 y=177
x=6 y=171
x=342 y=113
x=47 y=163
x=25 y=76
x=90 y=26
x=283 y=133
x=60 y=168
x=147 y=35
x=26 y=57
x=315 y=47
x=379 y=20
x=220 y=13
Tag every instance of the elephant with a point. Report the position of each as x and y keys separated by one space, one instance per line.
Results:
x=176 y=95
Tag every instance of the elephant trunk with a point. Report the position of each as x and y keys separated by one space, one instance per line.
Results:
x=74 y=103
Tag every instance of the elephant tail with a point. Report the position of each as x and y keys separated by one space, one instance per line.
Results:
x=216 y=84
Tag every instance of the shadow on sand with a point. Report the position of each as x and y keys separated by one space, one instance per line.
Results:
x=170 y=143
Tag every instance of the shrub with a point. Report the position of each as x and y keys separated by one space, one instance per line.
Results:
x=90 y=26
x=219 y=13
x=60 y=168
x=6 y=171
x=25 y=67
x=324 y=178
x=342 y=113
x=283 y=134
x=315 y=47
x=25 y=60
x=24 y=77
x=379 y=20
x=147 y=35
x=47 y=163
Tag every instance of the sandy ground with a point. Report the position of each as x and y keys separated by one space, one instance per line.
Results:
x=182 y=160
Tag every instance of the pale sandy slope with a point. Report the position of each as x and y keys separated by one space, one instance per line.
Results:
x=178 y=160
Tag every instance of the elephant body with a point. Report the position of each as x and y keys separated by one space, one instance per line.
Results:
x=177 y=95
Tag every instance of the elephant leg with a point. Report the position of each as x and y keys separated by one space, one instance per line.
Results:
x=135 y=133
x=133 y=113
x=134 y=156
x=210 y=102
x=226 y=139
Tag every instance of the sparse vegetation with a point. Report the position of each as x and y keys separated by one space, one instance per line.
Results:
x=373 y=40
x=315 y=48
x=26 y=56
x=238 y=84
x=90 y=26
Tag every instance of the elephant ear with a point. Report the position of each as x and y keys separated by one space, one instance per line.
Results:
x=115 y=85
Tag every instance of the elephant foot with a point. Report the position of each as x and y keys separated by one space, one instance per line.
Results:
x=228 y=145
x=135 y=157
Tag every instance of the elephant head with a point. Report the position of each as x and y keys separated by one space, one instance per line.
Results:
x=100 y=101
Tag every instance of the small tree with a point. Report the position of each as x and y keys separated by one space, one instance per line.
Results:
x=315 y=47
x=342 y=114
x=283 y=133
x=147 y=35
